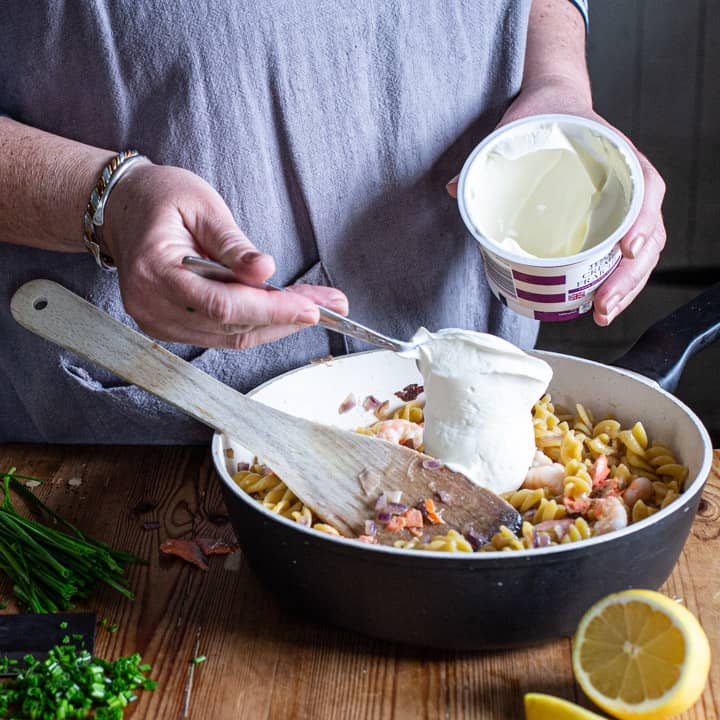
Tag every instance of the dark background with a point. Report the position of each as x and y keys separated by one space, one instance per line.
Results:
x=655 y=68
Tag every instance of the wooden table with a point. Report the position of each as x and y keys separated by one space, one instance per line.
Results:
x=265 y=662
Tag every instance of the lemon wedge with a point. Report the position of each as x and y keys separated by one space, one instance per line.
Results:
x=641 y=656
x=547 y=707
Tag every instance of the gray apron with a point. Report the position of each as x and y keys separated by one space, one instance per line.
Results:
x=330 y=127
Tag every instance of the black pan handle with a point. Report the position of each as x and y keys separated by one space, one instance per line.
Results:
x=663 y=349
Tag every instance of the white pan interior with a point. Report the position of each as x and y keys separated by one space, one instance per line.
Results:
x=316 y=392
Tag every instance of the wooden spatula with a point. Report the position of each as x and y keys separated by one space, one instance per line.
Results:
x=337 y=474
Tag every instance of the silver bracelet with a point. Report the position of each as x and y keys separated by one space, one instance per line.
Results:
x=94 y=216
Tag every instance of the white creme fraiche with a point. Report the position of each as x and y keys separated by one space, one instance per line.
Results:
x=479 y=393
x=545 y=192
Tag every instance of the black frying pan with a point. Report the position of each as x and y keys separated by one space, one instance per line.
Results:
x=482 y=600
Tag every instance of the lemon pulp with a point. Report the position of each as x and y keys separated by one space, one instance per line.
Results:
x=641 y=656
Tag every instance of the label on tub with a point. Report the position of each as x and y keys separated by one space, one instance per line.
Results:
x=550 y=294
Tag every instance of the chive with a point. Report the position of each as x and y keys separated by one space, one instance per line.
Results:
x=113 y=628
x=63 y=625
x=50 y=567
x=72 y=684
x=199 y=659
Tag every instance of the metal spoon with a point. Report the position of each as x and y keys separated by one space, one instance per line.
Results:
x=328 y=319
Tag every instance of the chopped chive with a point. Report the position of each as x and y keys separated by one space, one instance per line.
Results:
x=72 y=684
x=63 y=625
x=199 y=659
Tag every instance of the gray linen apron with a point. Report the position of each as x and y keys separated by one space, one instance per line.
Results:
x=330 y=127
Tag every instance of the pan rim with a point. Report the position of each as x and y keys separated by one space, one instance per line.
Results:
x=683 y=501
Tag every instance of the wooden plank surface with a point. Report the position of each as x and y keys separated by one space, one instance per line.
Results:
x=263 y=661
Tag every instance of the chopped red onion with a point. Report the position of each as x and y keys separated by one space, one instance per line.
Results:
x=371 y=403
x=541 y=539
x=381 y=503
x=370 y=528
x=559 y=527
x=394 y=496
x=476 y=539
x=409 y=392
x=396 y=508
x=432 y=464
x=384 y=517
x=243 y=466
x=348 y=403
x=444 y=496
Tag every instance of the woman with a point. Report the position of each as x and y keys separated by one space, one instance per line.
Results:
x=315 y=141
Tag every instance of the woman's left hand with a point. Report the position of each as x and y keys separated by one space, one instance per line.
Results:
x=642 y=244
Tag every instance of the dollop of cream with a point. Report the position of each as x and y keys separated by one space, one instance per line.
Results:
x=545 y=192
x=479 y=393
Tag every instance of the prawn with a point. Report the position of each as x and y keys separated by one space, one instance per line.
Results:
x=610 y=513
x=639 y=489
x=402 y=432
x=545 y=474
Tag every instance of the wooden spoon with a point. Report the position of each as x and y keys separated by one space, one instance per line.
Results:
x=337 y=474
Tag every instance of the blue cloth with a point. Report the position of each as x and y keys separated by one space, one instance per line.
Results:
x=330 y=127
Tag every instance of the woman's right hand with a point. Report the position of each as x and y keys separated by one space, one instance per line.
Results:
x=157 y=215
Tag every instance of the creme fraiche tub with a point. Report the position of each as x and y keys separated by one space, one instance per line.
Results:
x=549 y=198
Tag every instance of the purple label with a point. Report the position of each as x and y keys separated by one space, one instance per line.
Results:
x=539 y=279
x=540 y=297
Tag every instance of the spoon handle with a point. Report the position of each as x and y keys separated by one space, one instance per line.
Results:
x=328 y=319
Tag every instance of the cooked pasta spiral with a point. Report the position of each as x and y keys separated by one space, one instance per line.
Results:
x=604 y=475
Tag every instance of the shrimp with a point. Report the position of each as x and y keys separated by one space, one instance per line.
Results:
x=546 y=474
x=610 y=513
x=639 y=489
x=400 y=431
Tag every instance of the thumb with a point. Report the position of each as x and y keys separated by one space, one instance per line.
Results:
x=234 y=249
x=224 y=241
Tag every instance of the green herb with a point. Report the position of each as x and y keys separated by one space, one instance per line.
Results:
x=63 y=625
x=50 y=568
x=114 y=628
x=72 y=683
x=199 y=659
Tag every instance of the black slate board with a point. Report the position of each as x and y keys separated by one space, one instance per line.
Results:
x=35 y=634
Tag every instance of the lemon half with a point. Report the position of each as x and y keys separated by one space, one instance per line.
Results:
x=641 y=656
x=548 y=707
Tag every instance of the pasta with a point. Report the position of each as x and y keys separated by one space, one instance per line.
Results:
x=590 y=476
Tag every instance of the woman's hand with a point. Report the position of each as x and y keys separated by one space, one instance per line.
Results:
x=156 y=215
x=642 y=244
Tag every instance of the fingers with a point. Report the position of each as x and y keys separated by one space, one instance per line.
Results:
x=650 y=214
x=206 y=313
x=330 y=298
x=641 y=248
x=175 y=332
x=235 y=304
x=452 y=187
x=623 y=286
